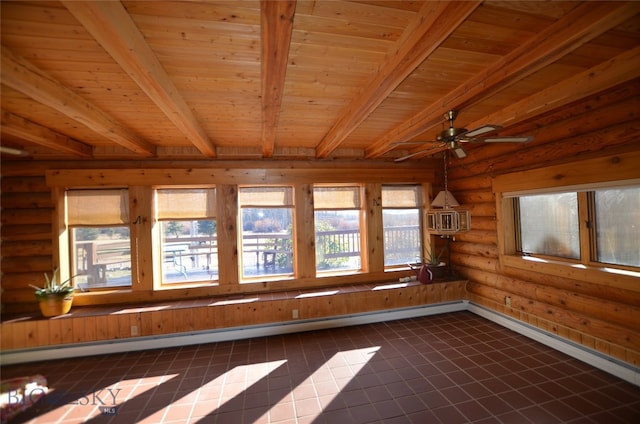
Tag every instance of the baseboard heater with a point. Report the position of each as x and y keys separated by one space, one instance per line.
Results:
x=603 y=362
x=17 y=356
x=592 y=357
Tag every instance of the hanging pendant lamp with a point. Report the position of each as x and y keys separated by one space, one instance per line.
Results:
x=442 y=219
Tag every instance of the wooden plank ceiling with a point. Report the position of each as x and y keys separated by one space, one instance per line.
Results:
x=296 y=79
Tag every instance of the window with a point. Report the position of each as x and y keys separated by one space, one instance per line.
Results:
x=590 y=207
x=267 y=226
x=187 y=224
x=617 y=226
x=337 y=220
x=401 y=224
x=549 y=225
x=99 y=237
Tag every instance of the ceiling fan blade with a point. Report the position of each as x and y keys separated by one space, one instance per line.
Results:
x=479 y=131
x=510 y=139
x=13 y=151
x=459 y=152
x=410 y=155
x=409 y=143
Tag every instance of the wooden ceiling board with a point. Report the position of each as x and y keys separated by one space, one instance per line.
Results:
x=553 y=10
x=363 y=13
x=37 y=12
x=212 y=53
x=20 y=105
x=241 y=12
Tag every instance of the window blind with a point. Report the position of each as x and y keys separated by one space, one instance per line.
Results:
x=98 y=207
x=347 y=197
x=186 y=203
x=400 y=196
x=265 y=196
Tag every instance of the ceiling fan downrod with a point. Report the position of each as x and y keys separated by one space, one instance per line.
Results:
x=449 y=135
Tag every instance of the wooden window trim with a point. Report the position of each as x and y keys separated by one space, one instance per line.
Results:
x=606 y=170
x=227 y=179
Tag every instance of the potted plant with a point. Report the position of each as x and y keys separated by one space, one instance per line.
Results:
x=54 y=298
x=436 y=266
x=431 y=268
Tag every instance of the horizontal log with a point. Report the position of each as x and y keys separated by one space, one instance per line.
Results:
x=476 y=262
x=560 y=126
x=21 y=280
x=538 y=154
x=26 y=248
x=600 y=291
x=33 y=200
x=582 y=322
x=26 y=264
x=477 y=236
x=29 y=184
x=628 y=355
x=620 y=313
x=474 y=249
x=26 y=216
x=26 y=232
x=484 y=223
x=477 y=182
x=474 y=196
x=481 y=209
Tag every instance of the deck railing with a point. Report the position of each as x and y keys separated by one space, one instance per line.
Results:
x=263 y=253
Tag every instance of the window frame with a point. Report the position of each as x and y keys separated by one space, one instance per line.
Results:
x=581 y=177
x=157 y=241
x=292 y=207
x=68 y=262
x=141 y=183
x=362 y=227
x=423 y=234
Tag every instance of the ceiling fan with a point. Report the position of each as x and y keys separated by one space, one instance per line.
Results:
x=453 y=138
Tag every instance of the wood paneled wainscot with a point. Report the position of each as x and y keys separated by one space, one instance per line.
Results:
x=108 y=323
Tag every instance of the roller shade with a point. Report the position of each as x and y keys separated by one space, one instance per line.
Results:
x=347 y=197
x=98 y=207
x=181 y=204
x=400 y=196
x=265 y=196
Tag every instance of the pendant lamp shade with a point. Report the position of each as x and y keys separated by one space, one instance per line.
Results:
x=443 y=199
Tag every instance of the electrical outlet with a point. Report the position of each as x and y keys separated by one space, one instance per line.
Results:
x=295 y=314
x=507 y=301
x=134 y=330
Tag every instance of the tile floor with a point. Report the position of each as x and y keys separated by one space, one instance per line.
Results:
x=450 y=368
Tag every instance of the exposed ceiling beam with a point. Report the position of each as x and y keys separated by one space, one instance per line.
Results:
x=432 y=25
x=582 y=24
x=276 y=29
x=615 y=71
x=110 y=24
x=24 y=129
x=21 y=75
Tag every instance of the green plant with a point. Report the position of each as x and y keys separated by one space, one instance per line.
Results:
x=432 y=258
x=53 y=287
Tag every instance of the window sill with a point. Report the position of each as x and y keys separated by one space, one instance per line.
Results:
x=79 y=311
x=612 y=277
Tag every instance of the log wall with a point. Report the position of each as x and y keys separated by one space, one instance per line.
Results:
x=594 y=313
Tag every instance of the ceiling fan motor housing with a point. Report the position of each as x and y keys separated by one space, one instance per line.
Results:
x=450 y=134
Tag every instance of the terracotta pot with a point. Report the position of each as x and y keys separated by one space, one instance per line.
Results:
x=52 y=305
